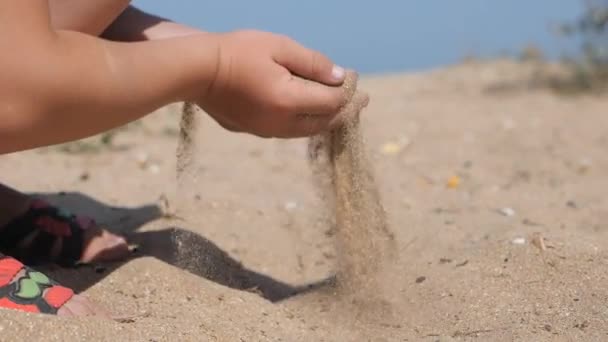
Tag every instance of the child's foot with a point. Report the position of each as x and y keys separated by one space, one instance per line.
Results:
x=24 y=289
x=44 y=233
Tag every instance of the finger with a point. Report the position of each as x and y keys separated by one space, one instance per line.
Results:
x=304 y=96
x=309 y=64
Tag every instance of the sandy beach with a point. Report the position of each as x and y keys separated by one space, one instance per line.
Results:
x=495 y=190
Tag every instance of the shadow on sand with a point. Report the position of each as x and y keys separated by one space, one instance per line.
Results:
x=174 y=245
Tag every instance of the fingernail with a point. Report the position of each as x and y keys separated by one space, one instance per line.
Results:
x=338 y=73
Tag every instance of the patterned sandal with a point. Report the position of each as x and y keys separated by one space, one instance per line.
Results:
x=24 y=289
x=45 y=234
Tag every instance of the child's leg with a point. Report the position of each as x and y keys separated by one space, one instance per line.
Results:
x=35 y=232
x=91 y=17
x=24 y=289
x=26 y=227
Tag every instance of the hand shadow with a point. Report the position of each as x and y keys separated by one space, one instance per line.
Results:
x=120 y=220
x=176 y=246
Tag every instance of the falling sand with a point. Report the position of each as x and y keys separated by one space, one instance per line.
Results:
x=187 y=167
x=363 y=239
x=364 y=243
x=186 y=143
x=365 y=246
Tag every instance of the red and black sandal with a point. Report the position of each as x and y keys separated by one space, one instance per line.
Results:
x=24 y=289
x=45 y=233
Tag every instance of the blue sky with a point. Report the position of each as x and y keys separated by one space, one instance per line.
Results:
x=388 y=35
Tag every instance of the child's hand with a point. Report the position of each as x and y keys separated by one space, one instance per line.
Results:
x=256 y=89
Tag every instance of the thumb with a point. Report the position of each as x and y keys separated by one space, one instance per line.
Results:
x=308 y=64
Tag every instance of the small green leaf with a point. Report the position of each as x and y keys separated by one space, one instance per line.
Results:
x=28 y=289
x=40 y=278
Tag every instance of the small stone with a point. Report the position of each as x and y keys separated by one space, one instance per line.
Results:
x=572 y=204
x=582 y=326
x=84 y=176
x=529 y=222
x=392 y=148
x=509 y=212
x=154 y=169
x=445 y=261
x=142 y=159
x=165 y=206
x=462 y=264
x=539 y=241
x=519 y=241
x=453 y=182
x=420 y=280
x=584 y=165
x=291 y=205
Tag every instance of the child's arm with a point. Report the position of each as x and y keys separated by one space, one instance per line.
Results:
x=57 y=86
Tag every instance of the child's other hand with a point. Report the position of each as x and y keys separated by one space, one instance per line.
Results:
x=270 y=86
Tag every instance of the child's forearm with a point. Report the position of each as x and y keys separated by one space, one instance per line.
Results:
x=80 y=85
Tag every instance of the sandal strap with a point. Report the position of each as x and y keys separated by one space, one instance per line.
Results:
x=48 y=223
x=32 y=291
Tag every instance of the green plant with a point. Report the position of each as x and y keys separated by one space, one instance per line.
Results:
x=589 y=70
